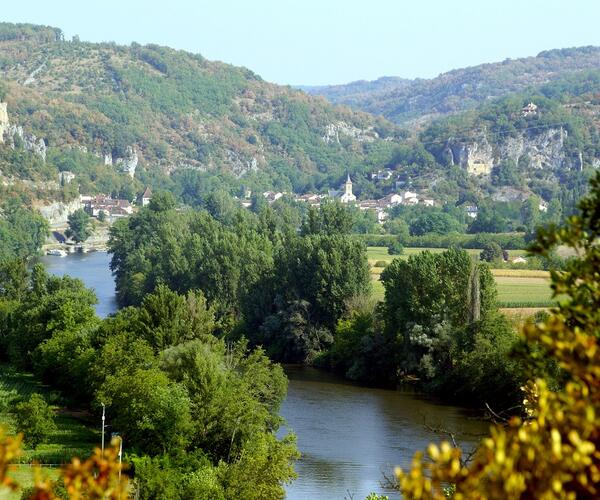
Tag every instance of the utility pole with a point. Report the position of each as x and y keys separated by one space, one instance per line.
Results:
x=103 y=420
x=120 y=456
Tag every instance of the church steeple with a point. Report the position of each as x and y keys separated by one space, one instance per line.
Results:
x=348 y=185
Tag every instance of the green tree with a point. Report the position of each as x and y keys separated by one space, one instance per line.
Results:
x=488 y=220
x=506 y=174
x=325 y=271
x=398 y=227
x=152 y=412
x=329 y=219
x=35 y=419
x=491 y=252
x=554 y=214
x=434 y=222
x=530 y=213
x=22 y=231
x=79 y=226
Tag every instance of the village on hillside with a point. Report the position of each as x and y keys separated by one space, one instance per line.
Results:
x=346 y=196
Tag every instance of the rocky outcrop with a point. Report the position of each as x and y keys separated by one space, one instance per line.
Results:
x=129 y=162
x=14 y=135
x=57 y=213
x=545 y=150
x=4 y=123
x=334 y=130
x=240 y=164
x=467 y=154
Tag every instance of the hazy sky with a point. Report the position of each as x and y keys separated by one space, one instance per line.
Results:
x=329 y=41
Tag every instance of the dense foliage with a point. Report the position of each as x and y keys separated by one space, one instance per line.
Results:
x=22 y=231
x=79 y=228
x=439 y=325
x=178 y=111
x=552 y=451
x=285 y=290
x=190 y=408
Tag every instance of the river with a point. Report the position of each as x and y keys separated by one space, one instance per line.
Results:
x=349 y=435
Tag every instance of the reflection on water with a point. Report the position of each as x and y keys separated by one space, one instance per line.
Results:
x=92 y=268
x=350 y=436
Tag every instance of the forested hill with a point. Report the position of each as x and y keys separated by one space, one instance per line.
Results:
x=402 y=100
x=163 y=110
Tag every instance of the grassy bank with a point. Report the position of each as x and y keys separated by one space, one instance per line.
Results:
x=75 y=434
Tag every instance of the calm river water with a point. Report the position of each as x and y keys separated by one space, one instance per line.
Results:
x=349 y=436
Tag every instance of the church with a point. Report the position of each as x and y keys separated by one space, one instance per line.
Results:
x=345 y=196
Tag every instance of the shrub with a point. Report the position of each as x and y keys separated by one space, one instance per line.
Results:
x=381 y=263
x=491 y=252
x=35 y=419
x=395 y=248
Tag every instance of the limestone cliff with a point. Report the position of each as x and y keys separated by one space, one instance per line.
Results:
x=544 y=150
x=4 y=123
x=57 y=213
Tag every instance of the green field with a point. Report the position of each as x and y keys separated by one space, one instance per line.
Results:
x=516 y=288
x=74 y=436
x=381 y=253
x=523 y=291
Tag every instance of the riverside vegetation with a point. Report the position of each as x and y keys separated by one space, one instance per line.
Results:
x=168 y=343
x=307 y=297
x=553 y=449
x=200 y=416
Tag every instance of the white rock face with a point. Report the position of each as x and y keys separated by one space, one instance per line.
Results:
x=57 y=213
x=4 y=123
x=240 y=164
x=9 y=132
x=129 y=162
x=334 y=130
x=108 y=159
x=545 y=150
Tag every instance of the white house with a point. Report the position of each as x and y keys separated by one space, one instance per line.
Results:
x=145 y=197
x=272 y=196
x=390 y=200
x=409 y=198
x=110 y=207
x=519 y=260
x=382 y=175
x=529 y=110
x=472 y=211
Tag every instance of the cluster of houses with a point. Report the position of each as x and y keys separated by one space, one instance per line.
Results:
x=345 y=195
x=113 y=208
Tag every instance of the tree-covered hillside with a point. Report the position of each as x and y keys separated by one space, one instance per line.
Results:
x=402 y=100
x=175 y=111
x=181 y=123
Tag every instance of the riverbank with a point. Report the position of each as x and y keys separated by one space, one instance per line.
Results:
x=349 y=435
x=97 y=242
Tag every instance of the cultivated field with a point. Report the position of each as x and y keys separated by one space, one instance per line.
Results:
x=517 y=288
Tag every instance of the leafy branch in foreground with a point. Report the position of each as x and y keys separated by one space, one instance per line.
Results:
x=97 y=477
x=554 y=451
